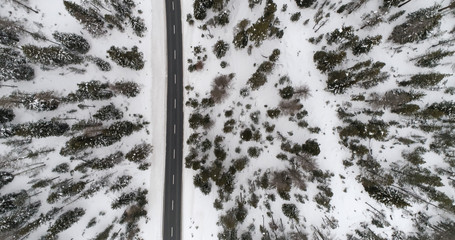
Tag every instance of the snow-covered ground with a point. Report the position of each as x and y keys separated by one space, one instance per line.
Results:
x=147 y=106
x=351 y=207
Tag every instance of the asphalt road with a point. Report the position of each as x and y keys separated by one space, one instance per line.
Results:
x=174 y=119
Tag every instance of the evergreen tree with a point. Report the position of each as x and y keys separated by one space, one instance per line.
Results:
x=72 y=41
x=6 y=115
x=130 y=59
x=220 y=48
x=53 y=55
x=91 y=20
x=418 y=26
x=304 y=3
x=327 y=61
x=13 y=66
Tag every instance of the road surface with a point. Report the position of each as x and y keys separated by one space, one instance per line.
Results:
x=174 y=121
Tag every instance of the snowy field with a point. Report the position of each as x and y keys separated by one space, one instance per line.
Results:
x=92 y=173
x=251 y=140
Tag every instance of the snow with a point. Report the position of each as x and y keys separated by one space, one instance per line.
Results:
x=350 y=203
x=149 y=103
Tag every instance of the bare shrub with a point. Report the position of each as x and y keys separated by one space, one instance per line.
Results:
x=220 y=86
x=302 y=91
x=290 y=106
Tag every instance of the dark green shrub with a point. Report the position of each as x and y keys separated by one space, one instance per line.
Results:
x=72 y=41
x=124 y=58
x=95 y=90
